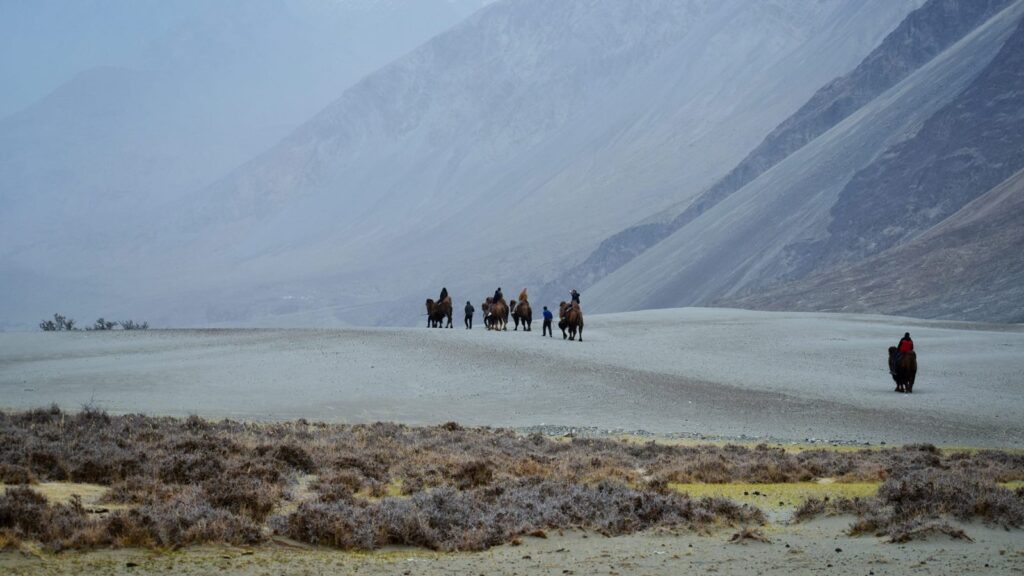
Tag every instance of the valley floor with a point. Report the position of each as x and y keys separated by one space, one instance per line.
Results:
x=702 y=372
x=816 y=548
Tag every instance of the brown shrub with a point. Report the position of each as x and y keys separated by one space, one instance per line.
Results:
x=15 y=474
x=473 y=474
x=244 y=496
x=476 y=519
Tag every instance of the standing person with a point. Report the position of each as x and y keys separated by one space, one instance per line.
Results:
x=548 y=316
x=469 y=315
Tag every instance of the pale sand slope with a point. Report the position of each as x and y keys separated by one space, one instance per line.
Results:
x=805 y=549
x=788 y=376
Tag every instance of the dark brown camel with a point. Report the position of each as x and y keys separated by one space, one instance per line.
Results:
x=570 y=317
x=903 y=372
x=437 y=312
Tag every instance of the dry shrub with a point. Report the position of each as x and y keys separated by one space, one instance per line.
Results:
x=748 y=534
x=473 y=474
x=187 y=518
x=242 y=471
x=927 y=493
x=245 y=496
x=9 y=540
x=476 y=519
x=295 y=457
x=918 y=530
x=27 y=515
x=15 y=474
x=909 y=504
x=138 y=490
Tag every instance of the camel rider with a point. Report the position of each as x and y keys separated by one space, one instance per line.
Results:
x=497 y=296
x=575 y=297
x=444 y=294
x=469 y=315
x=905 y=345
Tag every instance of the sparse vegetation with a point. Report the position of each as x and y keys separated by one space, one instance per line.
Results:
x=102 y=324
x=174 y=482
x=59 y=323
x=918 y=502
x=133 y=325
x=63 y=323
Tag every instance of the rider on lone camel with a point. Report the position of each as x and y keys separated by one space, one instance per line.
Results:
x=905 y=345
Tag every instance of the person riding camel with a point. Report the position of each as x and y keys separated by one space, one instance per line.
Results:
x=523 y=296
x=444 y=294
x=498 y=295
x=905 y=345
x=575 y=297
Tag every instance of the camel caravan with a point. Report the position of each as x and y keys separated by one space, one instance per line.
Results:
x=497 y=312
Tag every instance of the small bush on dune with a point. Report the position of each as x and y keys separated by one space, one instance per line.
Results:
x=913 y=504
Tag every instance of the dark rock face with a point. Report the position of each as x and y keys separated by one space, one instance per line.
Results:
x=962 y=152
x=920 y=37
x=934 y=227
x=969 y=267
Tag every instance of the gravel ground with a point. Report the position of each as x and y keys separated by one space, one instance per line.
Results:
x=692 y=372
x=816 y=548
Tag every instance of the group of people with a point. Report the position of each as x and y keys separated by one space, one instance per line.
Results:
x=498 y=295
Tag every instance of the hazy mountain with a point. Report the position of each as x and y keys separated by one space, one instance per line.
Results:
x=503 y=148
x=969 y=266
x=865 y=180
x=199 y=88
x=923 y=34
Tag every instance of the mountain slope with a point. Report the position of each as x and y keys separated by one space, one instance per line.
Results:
x=922 y=35
x=508 y=145
x=970 y=266
x=760 y=234
x=88 y=166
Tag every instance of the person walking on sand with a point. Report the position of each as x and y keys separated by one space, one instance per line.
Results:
x=548 y=316
x=469 y=315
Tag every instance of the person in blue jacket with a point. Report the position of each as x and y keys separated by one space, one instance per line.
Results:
x=548 y=316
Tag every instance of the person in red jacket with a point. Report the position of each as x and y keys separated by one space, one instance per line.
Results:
x=906 y=344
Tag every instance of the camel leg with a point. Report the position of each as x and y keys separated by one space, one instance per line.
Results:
x=581 y=333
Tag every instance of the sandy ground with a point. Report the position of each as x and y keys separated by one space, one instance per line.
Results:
x=785 y=376
x=816 y=548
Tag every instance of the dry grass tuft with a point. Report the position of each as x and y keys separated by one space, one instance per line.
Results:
x=749 y=535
